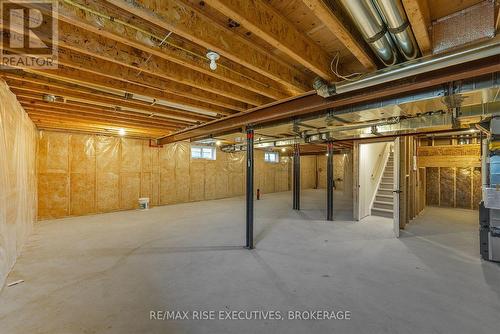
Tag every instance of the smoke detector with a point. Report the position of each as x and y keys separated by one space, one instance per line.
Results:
x=213 y=56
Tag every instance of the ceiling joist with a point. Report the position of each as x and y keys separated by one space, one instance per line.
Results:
x=94 y=17
x=86 y=95
x=335 y=24
x=262 y=19
x=191 y=24
x=103 y=112
x=420 y=21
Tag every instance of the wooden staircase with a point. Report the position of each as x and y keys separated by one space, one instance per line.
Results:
x=383 y=204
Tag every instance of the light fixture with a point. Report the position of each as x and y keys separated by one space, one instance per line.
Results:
x=49 y=98
x=213 y=56
x=326 y=154
x=218 y=143
x=121 y=132
x=283 y=149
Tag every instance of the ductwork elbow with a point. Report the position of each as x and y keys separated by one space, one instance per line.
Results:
x=394 y=16
x=368 y=21
x=323 y=88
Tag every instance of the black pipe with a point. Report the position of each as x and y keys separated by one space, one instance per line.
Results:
x=296 y=177
x=329 y=182
x=249 y=195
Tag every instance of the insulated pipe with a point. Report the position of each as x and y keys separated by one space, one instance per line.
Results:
x=370 y=24
x=394 y=15
x=420 y=66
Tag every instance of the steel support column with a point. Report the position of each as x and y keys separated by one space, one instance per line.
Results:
x=296 y=177
x=329 y=181
x=249 y=189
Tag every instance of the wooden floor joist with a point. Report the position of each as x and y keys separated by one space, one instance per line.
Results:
x=71 y=109
x=35 y=100
x=113 y=99
x=344 y=33
x=102 y=98
x=189 y=23
x=47 y=113
x=66 y=126
x=262 y=19
x=110 y=27
x=150 y=68
x=419 y=16
x=43 y=117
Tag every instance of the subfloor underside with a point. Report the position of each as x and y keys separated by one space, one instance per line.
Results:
x=106 y=273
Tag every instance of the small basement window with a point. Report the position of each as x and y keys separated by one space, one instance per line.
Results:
x=203 y=152
x=271 y=157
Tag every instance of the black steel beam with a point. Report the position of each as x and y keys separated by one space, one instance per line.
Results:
x=329 y=181
x=249 y=189
x=296 y=177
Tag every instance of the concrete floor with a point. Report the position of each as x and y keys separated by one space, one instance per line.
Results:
x=105 y=273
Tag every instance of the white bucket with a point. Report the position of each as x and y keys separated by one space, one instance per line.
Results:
x=144 y=203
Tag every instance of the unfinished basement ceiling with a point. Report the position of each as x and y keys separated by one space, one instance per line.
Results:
x=427 y=112
x=141 y=65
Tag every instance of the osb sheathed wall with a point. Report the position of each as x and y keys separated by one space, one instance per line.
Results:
x=341 y=172
x=17 y=179
x=308 y=172
x=453 y=175
x=84 y=174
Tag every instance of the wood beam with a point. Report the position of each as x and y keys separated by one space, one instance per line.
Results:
x=92 y=121
x=66 y=126
x=335 y=24
x=266 y=22
x=107 y=84
x=135 y=33
x=23 y=91
x=34 y=99
x=420 y=20
x=87 y=131
x=144 y=68
x=106 y=113
x=194 y=84
x=145 y=84
x=86 y=69
x=497 y=25
x=189 y=23
x=77 y=115
x=100 y=98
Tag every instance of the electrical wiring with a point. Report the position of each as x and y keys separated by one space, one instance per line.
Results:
x=349 y=77
x=159 y=39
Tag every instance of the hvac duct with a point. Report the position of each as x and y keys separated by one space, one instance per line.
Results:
x=370 y=24
x=394 y=15
x=410 y=68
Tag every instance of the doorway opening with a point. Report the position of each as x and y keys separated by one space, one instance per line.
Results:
x=378 y=182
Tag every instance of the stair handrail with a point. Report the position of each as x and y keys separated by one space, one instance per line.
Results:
x=381 y=162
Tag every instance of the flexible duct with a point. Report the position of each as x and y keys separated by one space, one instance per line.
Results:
x=370 y=24
x=394 y=15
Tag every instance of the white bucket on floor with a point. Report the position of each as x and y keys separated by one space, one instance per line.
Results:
x=144 y=203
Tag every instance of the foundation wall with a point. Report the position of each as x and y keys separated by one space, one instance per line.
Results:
x=452 y=175
x=17 y=179
x=341 y=171
x=86 y=174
